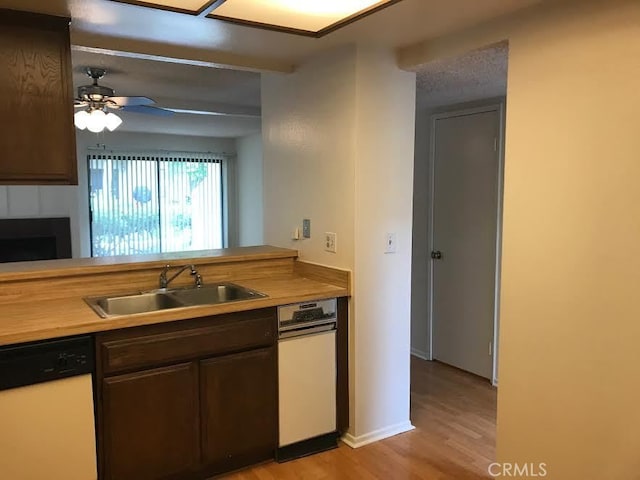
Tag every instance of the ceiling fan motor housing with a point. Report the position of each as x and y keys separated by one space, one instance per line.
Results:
x=97 y=97
x=94 y=93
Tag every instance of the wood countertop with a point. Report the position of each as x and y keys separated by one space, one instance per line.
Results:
x=44 y=300
x=29 y=321
x=98 y=265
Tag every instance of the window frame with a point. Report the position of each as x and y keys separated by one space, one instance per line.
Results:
x=226 y=182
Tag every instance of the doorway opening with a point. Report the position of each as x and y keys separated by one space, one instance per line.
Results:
x=456 y=251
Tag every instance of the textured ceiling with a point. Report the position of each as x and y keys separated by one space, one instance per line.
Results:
x=474 y=76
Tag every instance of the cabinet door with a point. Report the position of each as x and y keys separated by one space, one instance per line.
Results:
x=37 y=138
x=151 y=423
x=239 y=409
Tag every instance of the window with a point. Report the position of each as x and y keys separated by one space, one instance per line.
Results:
x=153 y=203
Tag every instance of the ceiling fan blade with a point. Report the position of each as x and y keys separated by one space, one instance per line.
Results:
x=79 y=103
x=147 y=110
x=132 y=101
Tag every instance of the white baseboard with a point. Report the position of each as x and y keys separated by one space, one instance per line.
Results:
x=420 y=354
x=367 y=438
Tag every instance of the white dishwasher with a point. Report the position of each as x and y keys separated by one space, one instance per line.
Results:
x=47 y=426
x=307 y=378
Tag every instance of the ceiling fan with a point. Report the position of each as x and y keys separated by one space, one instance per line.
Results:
x=97 y=100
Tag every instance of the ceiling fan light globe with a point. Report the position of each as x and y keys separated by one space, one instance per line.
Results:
x=96 y=121
x=113 y=121
x=80 y=119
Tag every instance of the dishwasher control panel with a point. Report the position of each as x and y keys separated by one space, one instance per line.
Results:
x=300 y=315
x=38 y=362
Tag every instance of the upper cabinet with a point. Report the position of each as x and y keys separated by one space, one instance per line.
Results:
x=37 y=137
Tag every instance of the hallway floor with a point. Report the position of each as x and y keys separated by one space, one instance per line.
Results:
x=454 y=414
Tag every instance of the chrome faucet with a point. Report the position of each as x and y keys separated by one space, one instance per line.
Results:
x=164 y=281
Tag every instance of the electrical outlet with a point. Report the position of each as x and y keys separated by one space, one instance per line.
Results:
x=306 y=228
x=330 y=241
x=391 y=243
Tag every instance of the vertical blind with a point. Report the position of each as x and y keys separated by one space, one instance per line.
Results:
x=154 y=202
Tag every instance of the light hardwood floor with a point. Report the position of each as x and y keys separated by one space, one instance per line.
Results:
x=454 y=414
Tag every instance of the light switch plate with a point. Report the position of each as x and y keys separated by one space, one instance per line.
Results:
x=330 y=240
x=306 y=228
x=391 y=243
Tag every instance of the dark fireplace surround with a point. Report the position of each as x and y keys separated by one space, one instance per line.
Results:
x=27 y=239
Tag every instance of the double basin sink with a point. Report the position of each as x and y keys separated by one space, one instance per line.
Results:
x=165 y=299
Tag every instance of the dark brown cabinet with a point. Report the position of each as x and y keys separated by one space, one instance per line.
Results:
x=189 y=399
x=151 y=423
x=238 y=391
x=37 y=138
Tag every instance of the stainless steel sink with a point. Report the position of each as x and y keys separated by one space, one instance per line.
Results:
x=137 y=303
x=213 y=294
x=163 y=299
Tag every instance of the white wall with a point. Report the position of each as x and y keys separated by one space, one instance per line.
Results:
x=570 y=330
x=134 y=141
x=338 y=149
x=308 y=121
x=250 y=191
x=385 y=118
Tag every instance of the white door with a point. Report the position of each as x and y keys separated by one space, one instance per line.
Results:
x=465 y=216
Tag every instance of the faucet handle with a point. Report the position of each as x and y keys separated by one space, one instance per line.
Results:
x=163 y=276
x=198 y=277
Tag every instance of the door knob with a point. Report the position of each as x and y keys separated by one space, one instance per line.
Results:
x=436 y=254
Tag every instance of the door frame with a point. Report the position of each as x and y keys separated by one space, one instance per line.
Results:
x=498 y=107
